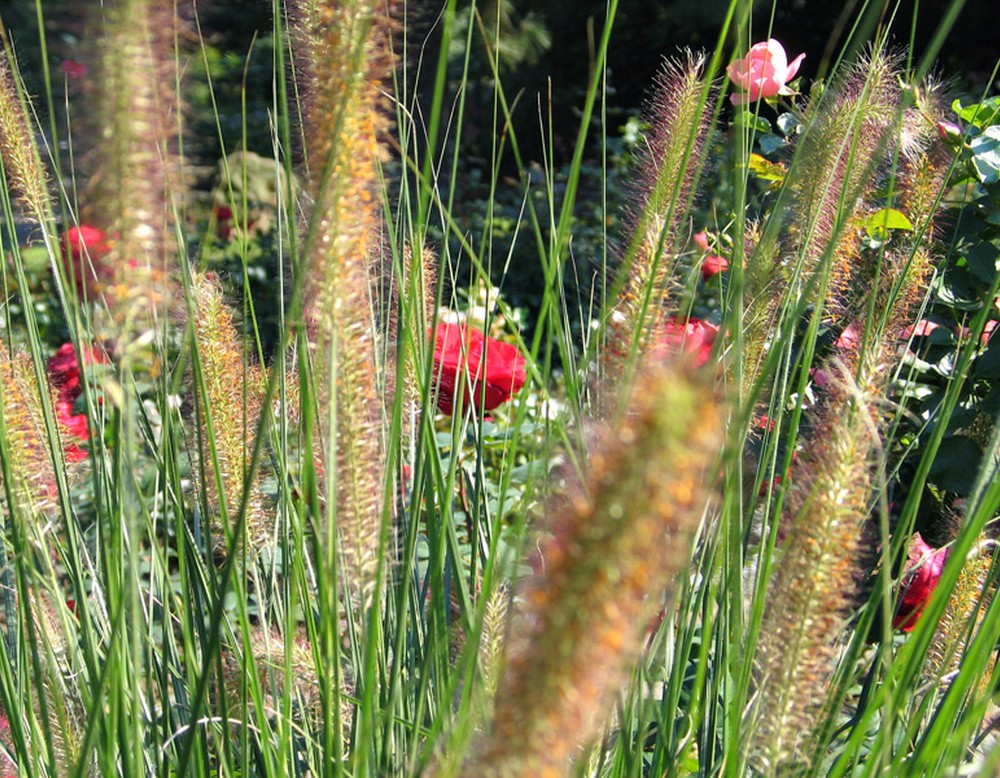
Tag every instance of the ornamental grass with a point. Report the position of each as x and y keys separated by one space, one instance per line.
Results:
x=353 y=423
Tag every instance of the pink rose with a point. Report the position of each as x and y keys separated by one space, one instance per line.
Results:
x=921 y=329
x=819 y=376
x=494 y=369
x=763 y=73
x=949 y=132
x=713 y=265
x=850 y=338
x=921 y=575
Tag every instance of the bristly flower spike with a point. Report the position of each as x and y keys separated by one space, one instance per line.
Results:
x=18 y=151
x=834 y=482
x=230 y=400
x=347 y=64
x=680 y=121
x=599 y=577
x=129 y=196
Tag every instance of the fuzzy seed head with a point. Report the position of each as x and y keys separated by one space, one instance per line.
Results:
x=599 y=577
x=33 y=478
x=847 y=137
x=669 y=167
x=346 y=66
x=25 y=174
x=131 y=193
x=234 y=389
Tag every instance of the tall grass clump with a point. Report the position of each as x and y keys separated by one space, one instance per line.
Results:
x=346 y=63
x=412 y=446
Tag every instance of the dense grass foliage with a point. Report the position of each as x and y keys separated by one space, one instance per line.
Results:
x=366 y=452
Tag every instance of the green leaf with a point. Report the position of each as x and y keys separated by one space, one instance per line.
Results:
x=771 y=143
x=988 y=364
x=986 y=154
x=765 y=169
x=535 y=469
x=956 y=465
x=747 y=119
x=789 y=124
x=35 y=258
x=980 y=114
x=981 y=261
x=879 y=223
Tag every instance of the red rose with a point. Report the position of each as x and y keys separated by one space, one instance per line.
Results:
x=712 y=264
x=692 y=337
x=924 y=566
x=83 y=249
x=494 y=369
x=73 y=69
x=64 y=374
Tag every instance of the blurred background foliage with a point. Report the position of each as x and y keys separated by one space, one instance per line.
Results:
x=545 y=56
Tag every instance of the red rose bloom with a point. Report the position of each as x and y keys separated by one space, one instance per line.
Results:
x=494 y=369
x=920 y=577
x=712 y=264
x=73 y=69
x=64 y=373
x=692 y=337
x=83 y=249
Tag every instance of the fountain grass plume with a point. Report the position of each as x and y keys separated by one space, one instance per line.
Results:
x=963 y=615
x=285 y=666
x=28 y=476
x=834 y=481
x=491 y=643
x=599 y=575
x=848 y=132
x=346 y=67
x=411 y=299
x=18 y=151
x=815 y=583
x=135 y=171
x=844 y=145
x=54 y=689
x=28 y=484
x=921 y=178
x=230 y=395
x=668 y=170
x=765 y=285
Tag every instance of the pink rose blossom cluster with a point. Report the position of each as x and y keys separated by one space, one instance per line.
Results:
x=693 y=338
